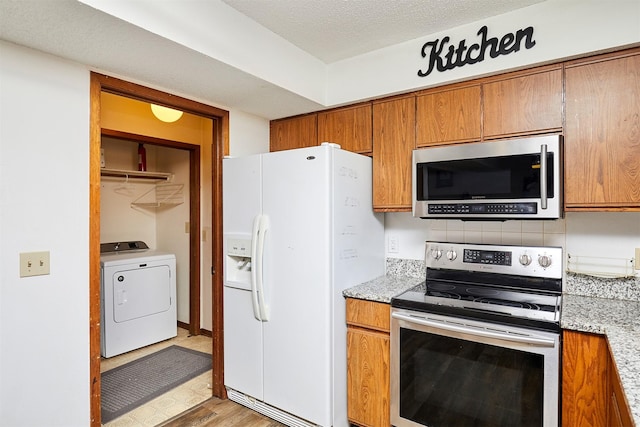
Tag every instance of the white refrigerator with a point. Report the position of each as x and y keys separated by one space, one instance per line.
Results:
x=299 y=228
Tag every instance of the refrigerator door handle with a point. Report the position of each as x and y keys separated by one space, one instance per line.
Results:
x=262 y=232
x=255 y=260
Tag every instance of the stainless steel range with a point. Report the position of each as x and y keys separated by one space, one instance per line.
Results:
x=479 y=343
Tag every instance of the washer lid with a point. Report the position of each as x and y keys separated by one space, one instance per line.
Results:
x=117 y=247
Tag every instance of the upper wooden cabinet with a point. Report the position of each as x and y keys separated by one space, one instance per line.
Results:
x=523 y=103
x=448 y=116
x=295 y=132
x=350 y=127
x=602 y=133
x=393 y=145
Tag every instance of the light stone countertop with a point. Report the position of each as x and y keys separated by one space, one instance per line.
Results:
x=617 y=316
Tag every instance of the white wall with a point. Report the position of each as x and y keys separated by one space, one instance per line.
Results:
x=44 y=206
x=562 y=28
x=250 y=134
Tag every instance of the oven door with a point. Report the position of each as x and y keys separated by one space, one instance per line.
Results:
x=447 y=371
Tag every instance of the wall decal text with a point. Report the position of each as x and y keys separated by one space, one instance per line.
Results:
x=445 y=56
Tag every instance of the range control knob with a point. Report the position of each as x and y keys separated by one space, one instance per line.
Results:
x=436 y=254
x=451 y=255
x=525 y=259
x=544 y=261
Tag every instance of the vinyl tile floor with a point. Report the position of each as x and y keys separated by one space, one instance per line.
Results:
x=174 y=402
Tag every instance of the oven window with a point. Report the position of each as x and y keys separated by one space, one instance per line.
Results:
x=505 y=177
x=452 y=382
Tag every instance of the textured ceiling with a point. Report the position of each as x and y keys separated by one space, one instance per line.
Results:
x=332 y=30
x=326 y=29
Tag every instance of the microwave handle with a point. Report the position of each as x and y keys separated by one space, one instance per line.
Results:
x=543 y=176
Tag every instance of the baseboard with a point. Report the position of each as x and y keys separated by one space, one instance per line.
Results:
x=204 y=332
x=183 y=325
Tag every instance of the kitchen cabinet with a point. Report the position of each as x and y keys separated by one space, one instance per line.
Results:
x=523 y=103
x=448 y=116
x=602 y=132
x=350 y=127
x=585 y=378
x=591 y=391
x=619 y=411
x=393 y=145
x=294 y=132
x=368 y=388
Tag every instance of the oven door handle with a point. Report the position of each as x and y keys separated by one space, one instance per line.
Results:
x=465 y=329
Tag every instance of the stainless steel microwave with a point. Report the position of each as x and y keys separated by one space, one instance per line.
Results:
x=497 y=180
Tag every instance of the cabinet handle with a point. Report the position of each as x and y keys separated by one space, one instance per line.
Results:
x=543 y=176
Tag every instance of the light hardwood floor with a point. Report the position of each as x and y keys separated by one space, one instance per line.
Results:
x=220 y=413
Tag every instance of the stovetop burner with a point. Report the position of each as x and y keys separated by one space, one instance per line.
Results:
x=494 y=283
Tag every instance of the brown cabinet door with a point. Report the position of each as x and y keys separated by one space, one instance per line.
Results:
x=393 y=144
x=296 y=132
x=368 y=389
x=585 y=380
x=350 y=127
x=449 y=116
x=602 y=133
x=619 y=411
x=523 y=104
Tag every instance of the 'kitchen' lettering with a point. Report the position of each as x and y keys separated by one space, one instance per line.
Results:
x=462 y=55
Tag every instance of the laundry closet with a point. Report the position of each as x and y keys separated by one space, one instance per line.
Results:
x=151 y=203
x=152 y=207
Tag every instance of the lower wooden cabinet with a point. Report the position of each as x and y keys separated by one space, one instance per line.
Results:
x=592 y=395
x=368 y=388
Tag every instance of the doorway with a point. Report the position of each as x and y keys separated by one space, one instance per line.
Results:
x=101 y=84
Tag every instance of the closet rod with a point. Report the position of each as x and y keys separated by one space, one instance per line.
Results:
x=129 y=174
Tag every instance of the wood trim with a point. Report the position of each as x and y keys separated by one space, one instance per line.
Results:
x=117 y=134
x=100 y=83
x=206 y=333
x=194 y=242
x=94 y=253
x=221 y=132
x=602 y=57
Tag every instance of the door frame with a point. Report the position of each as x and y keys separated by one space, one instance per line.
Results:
x=101 y=83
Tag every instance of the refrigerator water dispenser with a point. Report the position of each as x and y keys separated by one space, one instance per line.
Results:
x=238 y=261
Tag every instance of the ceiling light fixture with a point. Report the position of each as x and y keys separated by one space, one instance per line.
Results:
x=165 y=114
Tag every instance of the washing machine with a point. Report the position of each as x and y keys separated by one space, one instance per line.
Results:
x=138 y=297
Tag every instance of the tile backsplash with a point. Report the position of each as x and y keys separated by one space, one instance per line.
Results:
x=598 y=242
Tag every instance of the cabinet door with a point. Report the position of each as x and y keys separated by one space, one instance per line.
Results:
x=523 y=104
x=602 y=137
x=393 y=144
x=619 y=412
x=585 y=380
x=349 y=127
x=448 y=116
x=296 y=132
x=368 y=389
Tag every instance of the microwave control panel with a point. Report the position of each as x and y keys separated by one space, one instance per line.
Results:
x=483 y=208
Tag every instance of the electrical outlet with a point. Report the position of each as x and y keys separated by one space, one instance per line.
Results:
x=393 y=244
x=34 y=264
x=636 y=264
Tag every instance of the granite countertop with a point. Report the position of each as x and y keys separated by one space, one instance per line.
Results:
x=583 y=310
